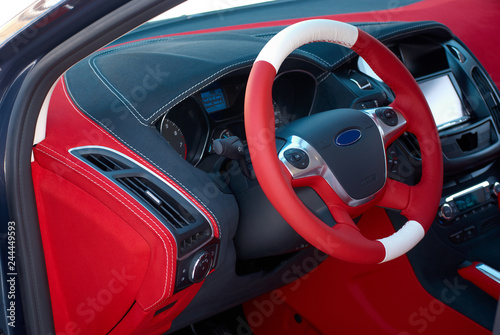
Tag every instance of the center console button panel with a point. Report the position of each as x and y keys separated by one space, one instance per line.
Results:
x=465 y=214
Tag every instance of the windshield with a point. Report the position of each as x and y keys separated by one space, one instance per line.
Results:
x=195 y=7
x=202 y=14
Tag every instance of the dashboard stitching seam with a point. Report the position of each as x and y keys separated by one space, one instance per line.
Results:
x=112 y=89
x=182 y=188
x=266 y=35
x=201 y=84
x=117 y=94
x=313 y=55
x=127 y=103
x=132 y=204
x=324 y=78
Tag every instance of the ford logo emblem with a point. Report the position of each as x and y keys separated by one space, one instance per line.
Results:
x=348 y=137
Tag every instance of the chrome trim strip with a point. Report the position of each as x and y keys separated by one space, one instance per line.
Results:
x=484 y=184
x=387 y=132
x=318 y=167
x=156 y=176
x=364 y=87
x=489 y=272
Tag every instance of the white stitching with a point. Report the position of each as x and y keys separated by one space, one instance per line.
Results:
x=314 y=56
x=132 y=204
x=117 y=93
x=128 y=104
x=323 y=79
x=93 y=66
x=200 y=84
x=182 y=188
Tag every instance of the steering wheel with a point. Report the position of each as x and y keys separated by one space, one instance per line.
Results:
x=341 y=153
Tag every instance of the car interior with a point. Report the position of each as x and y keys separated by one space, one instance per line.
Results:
x=188 y=183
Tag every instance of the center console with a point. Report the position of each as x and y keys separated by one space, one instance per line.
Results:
x=465 y=105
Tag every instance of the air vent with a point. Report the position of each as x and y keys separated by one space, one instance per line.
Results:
x=410 y=143
x=193 y=241
x=167 y=207
x=105 y=163
x=488 y=94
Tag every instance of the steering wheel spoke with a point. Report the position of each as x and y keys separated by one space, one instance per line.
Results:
x=396 y=195
x=305 y=165
x=390 y=122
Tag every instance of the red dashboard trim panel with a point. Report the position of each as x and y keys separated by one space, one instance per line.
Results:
x=65 y=185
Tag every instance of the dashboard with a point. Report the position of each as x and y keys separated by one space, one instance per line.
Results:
x=184 y=95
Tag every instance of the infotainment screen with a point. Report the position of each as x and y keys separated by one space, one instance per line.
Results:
x=443 y=100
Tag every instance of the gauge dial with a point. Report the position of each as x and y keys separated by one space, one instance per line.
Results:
x=173 y=134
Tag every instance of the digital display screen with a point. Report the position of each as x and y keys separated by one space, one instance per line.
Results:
x=214 y=100
x=469 y=200
x=443 y=100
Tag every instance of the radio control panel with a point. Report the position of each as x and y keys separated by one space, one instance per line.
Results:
x=465 y=201
x=465 y=214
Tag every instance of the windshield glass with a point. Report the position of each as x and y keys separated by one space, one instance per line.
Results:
x=203 y=14
x=194 y=7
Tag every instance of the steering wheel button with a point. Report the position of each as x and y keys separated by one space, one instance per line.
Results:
x=297 y=157
x=388 y=116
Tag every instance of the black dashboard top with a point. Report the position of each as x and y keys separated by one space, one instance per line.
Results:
x=148 y=77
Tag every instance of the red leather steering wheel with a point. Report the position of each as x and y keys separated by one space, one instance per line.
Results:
x=341 y=154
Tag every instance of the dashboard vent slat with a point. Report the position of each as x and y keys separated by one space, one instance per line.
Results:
x=486 y=90
x=105 y=163
x=166 y=206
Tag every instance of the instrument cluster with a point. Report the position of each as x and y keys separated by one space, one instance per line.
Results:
x=216 y=112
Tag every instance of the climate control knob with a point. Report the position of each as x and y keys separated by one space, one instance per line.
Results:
x=446 y=212
x=200 y=266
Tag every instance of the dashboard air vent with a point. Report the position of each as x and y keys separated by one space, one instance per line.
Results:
x=167 y=207
x=489 y=96
x=105 y=163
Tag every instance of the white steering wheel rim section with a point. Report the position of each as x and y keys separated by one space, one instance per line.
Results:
x=295 y=36
x=320 y=30
x=403 y=240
